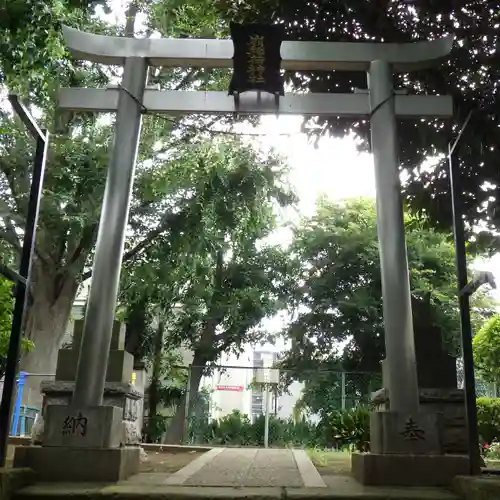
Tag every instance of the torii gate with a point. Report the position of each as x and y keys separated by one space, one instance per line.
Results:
x=381 y=104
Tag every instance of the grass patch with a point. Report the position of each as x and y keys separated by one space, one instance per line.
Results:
x=330 y=461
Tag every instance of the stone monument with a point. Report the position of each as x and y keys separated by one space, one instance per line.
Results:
x=67 y=427
x=437 y=381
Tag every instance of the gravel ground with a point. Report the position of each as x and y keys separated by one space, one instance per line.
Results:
x=168 y=462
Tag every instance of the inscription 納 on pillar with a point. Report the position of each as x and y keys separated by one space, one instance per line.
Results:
x=75 y=425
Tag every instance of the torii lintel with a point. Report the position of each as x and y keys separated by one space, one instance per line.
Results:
x=181 y=102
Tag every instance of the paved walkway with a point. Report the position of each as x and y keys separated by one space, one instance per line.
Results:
x=240 y=467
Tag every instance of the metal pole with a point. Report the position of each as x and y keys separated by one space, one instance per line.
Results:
x=342 y=388
x=19 y=400
x=100 y=311
x=465 y=322
x=398 y=322
x=266 y=417
x=21 y=294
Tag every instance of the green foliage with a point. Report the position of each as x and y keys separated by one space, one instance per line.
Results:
x=6 y=309
x=210 y=269
x=323 y=388
x=493 y=451
x=486 y=345
x=338 y=429
x=338 y=286
x=156 y=427
x=6 y=305
x=35 y=59
x=209 y=276
x=347 y=428
x=35 y=64
x=335 y=295
x=237 y=429
x=469 y=75
x=234 y=428
x=488 y=419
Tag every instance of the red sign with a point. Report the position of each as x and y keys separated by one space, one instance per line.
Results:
x=234 y=388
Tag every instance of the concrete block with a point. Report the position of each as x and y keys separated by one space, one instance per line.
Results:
x=477 y=487
x=404 y=433
x=120 y=366
x=92 y=427
x=79 y=465
x=12 y=480
x=408 y=470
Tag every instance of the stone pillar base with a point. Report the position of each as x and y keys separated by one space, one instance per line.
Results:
x=450 y=404
x=405 y=434
x=78 y=465
x=121 y=395
x=408 y=470
x=90 y=427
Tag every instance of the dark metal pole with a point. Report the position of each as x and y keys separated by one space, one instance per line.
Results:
x=465 y=323
x=22 y=288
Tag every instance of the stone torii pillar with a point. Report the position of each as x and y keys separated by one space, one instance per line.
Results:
x=380 y=104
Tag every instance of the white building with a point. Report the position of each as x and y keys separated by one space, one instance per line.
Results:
x=233 y=386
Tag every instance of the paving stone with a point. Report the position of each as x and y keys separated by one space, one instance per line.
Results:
x=229 y=468
x=274 y=458
x=274 y=476
x=240 y=467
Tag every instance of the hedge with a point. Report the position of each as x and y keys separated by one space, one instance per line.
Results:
x=488 y=419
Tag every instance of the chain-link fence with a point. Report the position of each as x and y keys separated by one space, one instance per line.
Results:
x=483 y=389
x=228 y=406
x=231 y=404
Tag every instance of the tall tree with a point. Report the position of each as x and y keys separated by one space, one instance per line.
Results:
x=211 y=275
x=337 y=295
x=470 y=76
x=35 y=65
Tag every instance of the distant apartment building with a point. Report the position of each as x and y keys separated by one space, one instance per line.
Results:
x=232 y=386
x=262 y=359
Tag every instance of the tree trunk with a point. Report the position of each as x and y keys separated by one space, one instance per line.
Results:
x=134 y=334
x=45 y=325
x=175 y=431
x=202 y=355
x=154 y=385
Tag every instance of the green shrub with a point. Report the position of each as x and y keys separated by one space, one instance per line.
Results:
x=347 y=428
x=486 y=346
x=493 y=451
x=156 y=427
x=339 y=429
x=300 y=433
x=237 y=429
x=488 y=419
x=234 y=429
x=6 y=308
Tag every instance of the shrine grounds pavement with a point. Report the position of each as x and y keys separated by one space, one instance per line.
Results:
x=236 y=474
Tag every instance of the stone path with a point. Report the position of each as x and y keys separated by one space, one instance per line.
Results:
x=240 y=467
